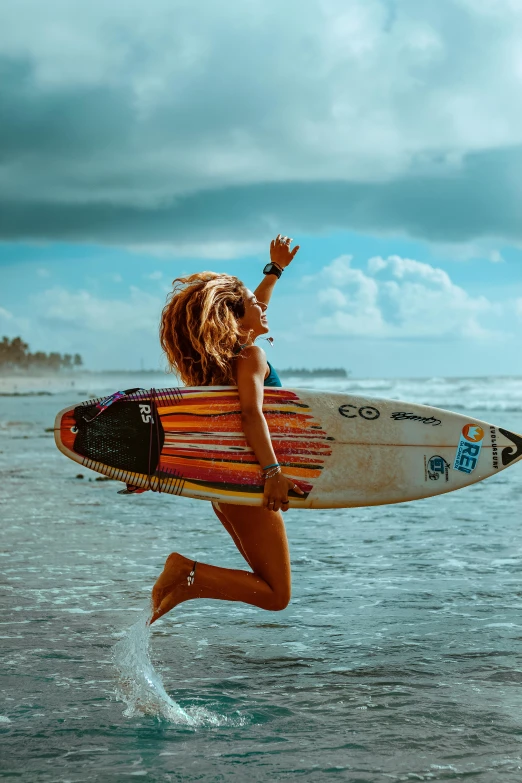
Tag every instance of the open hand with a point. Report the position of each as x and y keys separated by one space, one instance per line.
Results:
x=280 y=253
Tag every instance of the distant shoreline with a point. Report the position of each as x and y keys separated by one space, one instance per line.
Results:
x=322 y=372
x=86 y=383
x=74 y=374
x=38 y=383
x=83 y=381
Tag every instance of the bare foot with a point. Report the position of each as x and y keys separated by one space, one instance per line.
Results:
x=171 y=586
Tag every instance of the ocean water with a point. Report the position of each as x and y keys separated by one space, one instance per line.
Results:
x=398 y=658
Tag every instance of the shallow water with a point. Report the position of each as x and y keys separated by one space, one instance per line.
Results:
x=397 y=659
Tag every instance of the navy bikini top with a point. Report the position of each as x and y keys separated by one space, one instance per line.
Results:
x=272 y=378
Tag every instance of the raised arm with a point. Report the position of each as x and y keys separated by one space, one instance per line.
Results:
x=281 y=256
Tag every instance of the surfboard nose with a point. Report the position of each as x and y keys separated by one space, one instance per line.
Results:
x=513 y=450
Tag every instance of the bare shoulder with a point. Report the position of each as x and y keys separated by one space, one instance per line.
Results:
x=253 y=354
x=251 y=361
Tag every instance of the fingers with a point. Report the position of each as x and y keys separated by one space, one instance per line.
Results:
x=296 y=488
x=275 y=497
x=268 y=502
x=272 y=503
x=281 y=241
x=280 y=252
x=278 y=505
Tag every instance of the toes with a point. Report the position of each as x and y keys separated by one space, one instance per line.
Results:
x=158 y=596
x=166 y=579
x=167 y=603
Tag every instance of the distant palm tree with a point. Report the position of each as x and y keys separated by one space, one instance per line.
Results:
x=15 y=354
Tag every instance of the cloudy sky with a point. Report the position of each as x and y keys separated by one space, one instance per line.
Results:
x=141 y=141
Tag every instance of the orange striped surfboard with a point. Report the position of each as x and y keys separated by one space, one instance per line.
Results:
x=342 y=450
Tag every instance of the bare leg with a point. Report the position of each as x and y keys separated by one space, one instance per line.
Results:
x=260 y=536
x=231 y=531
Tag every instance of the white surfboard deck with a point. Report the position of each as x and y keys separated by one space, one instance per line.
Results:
x=345 y=450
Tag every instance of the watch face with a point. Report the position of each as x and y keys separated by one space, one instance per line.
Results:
x=272 y=269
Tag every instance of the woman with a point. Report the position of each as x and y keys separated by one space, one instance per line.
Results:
x=208 y=330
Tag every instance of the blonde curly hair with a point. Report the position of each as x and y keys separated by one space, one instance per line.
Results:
x=199 y=329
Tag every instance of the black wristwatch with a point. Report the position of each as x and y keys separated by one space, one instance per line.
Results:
x=272 y=269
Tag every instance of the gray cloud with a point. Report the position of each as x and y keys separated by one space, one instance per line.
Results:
x=479 y=201
x=161 y=126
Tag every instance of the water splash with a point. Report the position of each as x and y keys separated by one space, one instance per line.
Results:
x=139 y=686
x=141 y=689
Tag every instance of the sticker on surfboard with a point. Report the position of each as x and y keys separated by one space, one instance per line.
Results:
x=469 y=448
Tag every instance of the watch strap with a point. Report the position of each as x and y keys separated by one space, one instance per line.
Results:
x=272 y=269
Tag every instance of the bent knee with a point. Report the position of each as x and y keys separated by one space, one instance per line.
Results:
x=280 y=600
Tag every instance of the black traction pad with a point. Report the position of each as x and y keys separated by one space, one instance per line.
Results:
x=122 y=436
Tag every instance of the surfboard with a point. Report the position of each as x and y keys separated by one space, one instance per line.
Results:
x=343 y=450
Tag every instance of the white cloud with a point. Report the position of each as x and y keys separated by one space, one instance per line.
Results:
x=465 y=251
x=211 y=249
x=109 y=332
x=12 y=325
x=332 y=297
x=82 y=311
x=400 y=298
x=157 y=275
x=496 y=257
